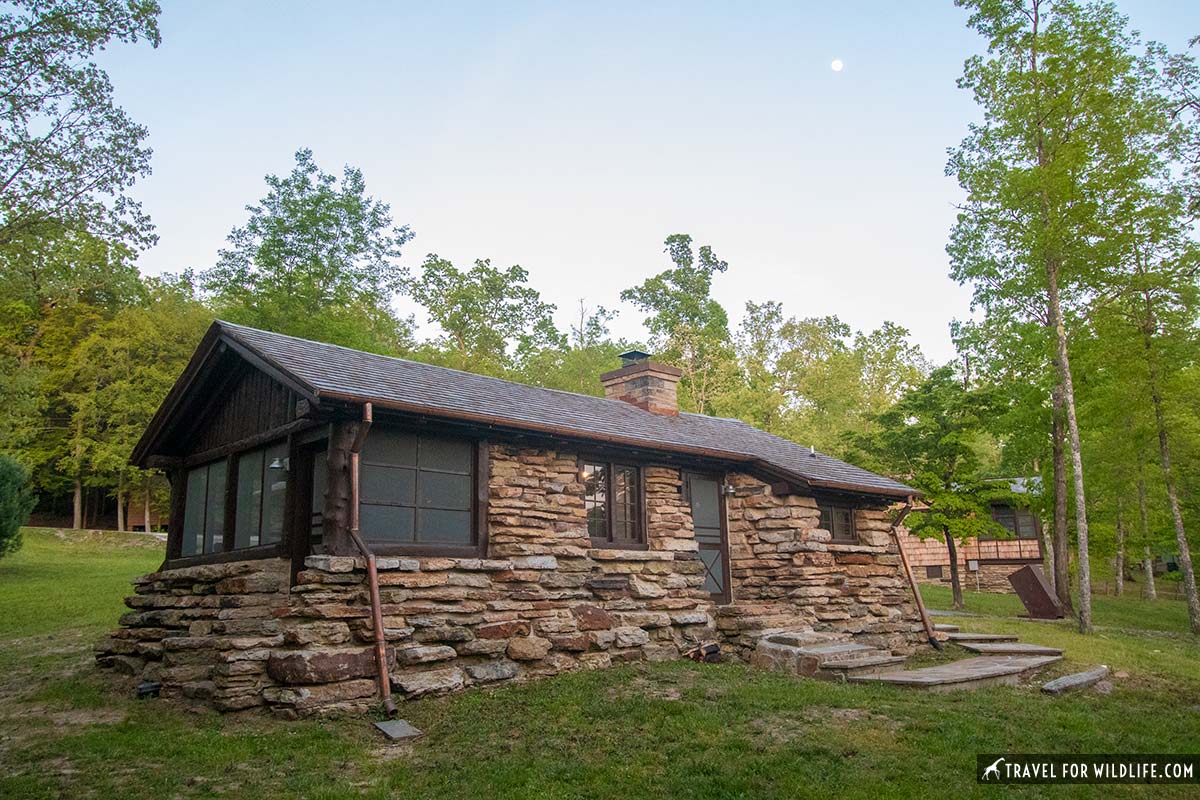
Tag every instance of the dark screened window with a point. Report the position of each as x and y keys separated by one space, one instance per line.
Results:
x=262 y=477
x=933 y=571
x=1019 y=521
x=204 y=510
x=416 y=489
x=839 y=521
x=612 y=499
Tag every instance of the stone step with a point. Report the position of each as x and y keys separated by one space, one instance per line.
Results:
x=945 y=627
x=1009 y=649
x=969 y=673
x=981 y=637
x=870 y=664
x=805 y=638
x=827 y=652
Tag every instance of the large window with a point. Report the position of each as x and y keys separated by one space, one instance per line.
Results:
x=261 y=488
x=416 y=489
x=839 y=521
x=612 y=498
x=1017 y=520
x=204 y=510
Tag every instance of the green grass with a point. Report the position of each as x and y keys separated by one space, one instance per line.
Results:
x=644 y=730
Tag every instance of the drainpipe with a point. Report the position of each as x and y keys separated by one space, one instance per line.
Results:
x=912 y=579
x=385 y=681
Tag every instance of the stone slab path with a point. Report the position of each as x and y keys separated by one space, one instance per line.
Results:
x=1010 y=649
x=968 y=673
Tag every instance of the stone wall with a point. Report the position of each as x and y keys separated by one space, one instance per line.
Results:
x=542 y=601
x=786 y=570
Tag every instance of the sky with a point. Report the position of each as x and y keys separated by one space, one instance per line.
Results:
x=573 y=138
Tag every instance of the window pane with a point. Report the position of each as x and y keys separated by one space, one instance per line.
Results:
x=249 y=499
x=843 y=525
x=276 y=491
x=320 y=479
x=193 y=511
x=595 y=501
x=385 y=523
x=625 y=504
x=214 y=517
x=706 y=503
x=449 y=455
x=380 y=484
x=1005 y=516
x=386 y=446
x=826 y=523
x=444 y=527
x=443 y=490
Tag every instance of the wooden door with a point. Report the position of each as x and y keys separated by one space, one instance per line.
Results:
x=708 y=522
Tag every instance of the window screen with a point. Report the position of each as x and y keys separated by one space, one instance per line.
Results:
x=262 y=477
x=416 y=489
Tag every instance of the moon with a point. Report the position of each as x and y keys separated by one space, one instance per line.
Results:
x=837 y=65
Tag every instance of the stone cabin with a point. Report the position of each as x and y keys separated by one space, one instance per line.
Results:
x=985 y=563
x=512 y=531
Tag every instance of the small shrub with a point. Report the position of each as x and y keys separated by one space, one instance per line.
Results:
x=16 y=502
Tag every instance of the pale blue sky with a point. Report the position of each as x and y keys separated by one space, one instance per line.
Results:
x=572 y=138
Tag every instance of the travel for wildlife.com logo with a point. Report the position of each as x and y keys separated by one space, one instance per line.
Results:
x=1046 y=768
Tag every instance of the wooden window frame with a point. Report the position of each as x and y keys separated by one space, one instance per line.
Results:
x=480 y=479
x=641 y=542
x=834 y=506
x=228 y=552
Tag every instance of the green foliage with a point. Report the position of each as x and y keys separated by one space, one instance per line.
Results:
x=16 y=501
x=318 y=258
x=814 y=380
x=491 y=320
x=588 y=353
x=67 y=152
x=931 y=439
x=688 y=328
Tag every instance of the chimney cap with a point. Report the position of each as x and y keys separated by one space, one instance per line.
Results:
x=631 y=357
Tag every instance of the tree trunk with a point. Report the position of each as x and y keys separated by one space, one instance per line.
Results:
x=1181 y=540
x=77 y=521
x=1062 y=553
x=146 y=511
x=955 y=581
x=1048 y=561
x=1068 y=396
x=120 y=508
x=1148 y=567
x=1119 y=566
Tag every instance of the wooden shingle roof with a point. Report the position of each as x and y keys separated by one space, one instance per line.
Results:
x=329 y=371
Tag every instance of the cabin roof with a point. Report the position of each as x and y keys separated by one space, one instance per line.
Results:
x=325 y=371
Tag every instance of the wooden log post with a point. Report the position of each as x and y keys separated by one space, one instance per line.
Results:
x=336 y=518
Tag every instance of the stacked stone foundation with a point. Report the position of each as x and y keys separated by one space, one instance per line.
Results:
x=243 y=635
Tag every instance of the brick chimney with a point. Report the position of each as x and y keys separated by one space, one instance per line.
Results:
x=644 y=383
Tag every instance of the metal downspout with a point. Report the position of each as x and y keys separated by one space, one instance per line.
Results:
x=384 y=680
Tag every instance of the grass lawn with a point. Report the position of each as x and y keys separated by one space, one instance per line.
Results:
x=646 y=730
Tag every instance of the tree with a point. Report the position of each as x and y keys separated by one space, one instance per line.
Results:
x=490 y=318
x=687 y=326
x=589 y=352
x=318 y=259
x=932 y=439
x=124 y=370
x=1068 y=116
x=67 y=152
x=16 y=501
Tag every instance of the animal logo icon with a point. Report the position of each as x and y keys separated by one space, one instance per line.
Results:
x=994 y=769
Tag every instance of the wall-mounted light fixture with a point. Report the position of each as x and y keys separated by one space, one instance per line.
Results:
x=280 y=463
